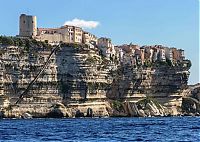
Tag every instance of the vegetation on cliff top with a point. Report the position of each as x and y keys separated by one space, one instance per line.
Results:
x=167 y=63
x=75 y=45
x=22 y=42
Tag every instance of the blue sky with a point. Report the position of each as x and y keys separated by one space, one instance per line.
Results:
x=172 y=23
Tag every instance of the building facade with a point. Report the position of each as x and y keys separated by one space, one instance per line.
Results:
x=104 y=42
x=162 y=54
x=169 y=54
x=88 y=37
x=106 y=46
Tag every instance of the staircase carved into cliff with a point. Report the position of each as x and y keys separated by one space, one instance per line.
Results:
x=37 y=76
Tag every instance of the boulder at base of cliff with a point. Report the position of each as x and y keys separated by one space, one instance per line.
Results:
x=27 y=116
x=79 y=114
x=153 y=109
x=146 y=107
x=118 y=109
x=58 y=111
x=89 y=112
x=1 y=114
x=150 y=107
x=141 y=113
x=55 y=113
x=132 y=109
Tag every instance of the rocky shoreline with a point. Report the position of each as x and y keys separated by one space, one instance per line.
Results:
x=144 y=108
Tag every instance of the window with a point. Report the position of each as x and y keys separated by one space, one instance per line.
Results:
x=24 y=21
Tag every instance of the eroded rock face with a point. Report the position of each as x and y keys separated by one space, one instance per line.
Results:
x=191 y=102
x=80 y=79
x=80 y=74
x=144 y=108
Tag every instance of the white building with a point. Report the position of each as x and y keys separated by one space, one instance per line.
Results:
x=162 y=54
x=168 y=54
x=155 y=54
x=150 y=52
x=181 y=54
x=89 y=38
x=106 y=46
x=104 y=42
x=119 y=53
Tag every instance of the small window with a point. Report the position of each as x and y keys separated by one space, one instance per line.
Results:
x=24 y=21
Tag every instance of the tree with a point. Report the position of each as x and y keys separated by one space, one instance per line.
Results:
x=46 y=41
x=169 y=62
x=7 y=41
x=189 y=63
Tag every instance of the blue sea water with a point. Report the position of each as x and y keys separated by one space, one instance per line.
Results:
x=101 y=129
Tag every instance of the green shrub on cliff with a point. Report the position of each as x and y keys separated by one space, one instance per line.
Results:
x=169 y=62
x=149 y=100
x=6 y=40
x=189 y=63
x=2 y=51
x=92 y=86
x=22 y=42
x=75 y=45
x=147 y=63
x=91 y=60
x=117 y=105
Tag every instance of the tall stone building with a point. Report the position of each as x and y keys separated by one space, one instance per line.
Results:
x=27 y=25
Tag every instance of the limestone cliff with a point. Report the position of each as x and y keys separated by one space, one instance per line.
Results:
x=80 y=82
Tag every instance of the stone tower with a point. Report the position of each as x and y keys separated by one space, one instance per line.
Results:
x=27 y=25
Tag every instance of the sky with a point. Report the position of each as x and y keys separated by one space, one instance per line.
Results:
x=173 y=23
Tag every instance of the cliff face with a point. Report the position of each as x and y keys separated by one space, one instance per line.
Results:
x=164 y=84
x=79 y=73
x=86 y=83
x=159 y=82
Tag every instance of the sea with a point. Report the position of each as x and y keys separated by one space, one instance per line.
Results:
x=161 y=129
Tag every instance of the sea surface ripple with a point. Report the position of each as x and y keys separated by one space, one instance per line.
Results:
x=160 y=129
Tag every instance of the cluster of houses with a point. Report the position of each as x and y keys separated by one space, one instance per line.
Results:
x=134 y=54
x=127 y=54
